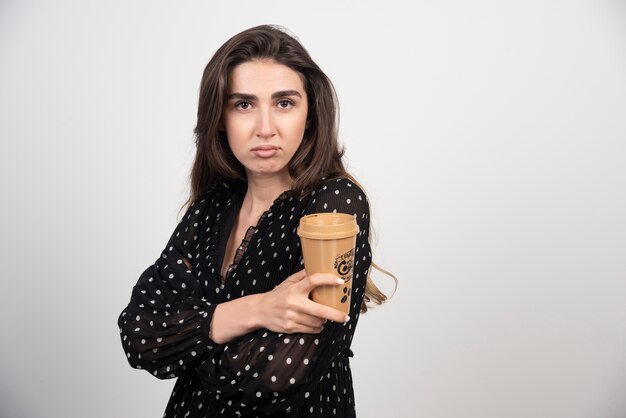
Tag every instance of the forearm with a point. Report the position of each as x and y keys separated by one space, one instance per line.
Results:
x=164 y=326
x=235 y=318
x=285 y=309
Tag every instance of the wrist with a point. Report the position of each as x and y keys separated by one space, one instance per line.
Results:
x=235 y=318
x=255 y=317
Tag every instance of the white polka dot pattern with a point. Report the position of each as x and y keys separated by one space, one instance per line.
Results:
x=165 y=327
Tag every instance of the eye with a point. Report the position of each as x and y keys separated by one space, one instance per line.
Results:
x=285 y=103
x=243 y=105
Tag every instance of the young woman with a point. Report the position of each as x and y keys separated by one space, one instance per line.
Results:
x=225 y=308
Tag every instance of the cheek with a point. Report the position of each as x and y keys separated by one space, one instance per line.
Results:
x=234 y=132
x=295 y=136
x=299 y=127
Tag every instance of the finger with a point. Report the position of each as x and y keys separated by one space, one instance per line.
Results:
x=312 y=330
x=297 y=276
x=321 y=279
x=308 y=330
x=308 y=320
x=325 y=312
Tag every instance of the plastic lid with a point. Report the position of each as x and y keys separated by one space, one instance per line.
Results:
x=328 y=226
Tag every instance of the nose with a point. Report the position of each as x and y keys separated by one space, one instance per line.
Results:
x=266 y=127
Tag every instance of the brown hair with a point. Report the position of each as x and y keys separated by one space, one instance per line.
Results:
x=319 y=154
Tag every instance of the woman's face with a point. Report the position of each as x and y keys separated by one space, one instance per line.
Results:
x=265 y=116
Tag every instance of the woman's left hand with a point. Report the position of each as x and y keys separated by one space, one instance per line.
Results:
x=288 y=309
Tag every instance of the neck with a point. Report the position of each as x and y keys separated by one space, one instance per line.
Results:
x=262 y=191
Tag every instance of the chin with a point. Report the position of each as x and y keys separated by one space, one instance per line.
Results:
x=267 y=170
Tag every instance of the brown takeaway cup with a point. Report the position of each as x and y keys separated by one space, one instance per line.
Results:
x=328 y=243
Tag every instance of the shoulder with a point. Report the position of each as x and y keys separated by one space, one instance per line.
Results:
x=338 y=187
x=337 y=183
x=339 y=194
x=220 y=193
x=216 y=197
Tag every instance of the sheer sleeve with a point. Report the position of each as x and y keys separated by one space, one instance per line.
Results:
x=165 y=326
x=271 y=373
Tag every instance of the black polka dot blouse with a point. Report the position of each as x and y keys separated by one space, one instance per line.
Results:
x=165 y=327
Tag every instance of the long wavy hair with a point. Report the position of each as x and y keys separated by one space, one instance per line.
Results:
x=319 y=154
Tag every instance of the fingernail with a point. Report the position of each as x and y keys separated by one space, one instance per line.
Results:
x=325 y=320
x=347 y=318
x=341 y=281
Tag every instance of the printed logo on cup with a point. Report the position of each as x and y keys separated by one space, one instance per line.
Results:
x=343 y=265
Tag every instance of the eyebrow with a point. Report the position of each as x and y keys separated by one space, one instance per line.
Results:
x=252 y=97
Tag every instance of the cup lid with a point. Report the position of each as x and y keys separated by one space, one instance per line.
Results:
x=328 y=226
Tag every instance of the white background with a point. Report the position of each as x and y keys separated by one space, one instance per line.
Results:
x=490 y=136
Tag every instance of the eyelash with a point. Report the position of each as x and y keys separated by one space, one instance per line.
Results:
x=241 y=102
x=289 y=102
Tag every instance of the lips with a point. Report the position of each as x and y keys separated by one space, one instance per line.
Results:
x=265 y=151
x=264 y=148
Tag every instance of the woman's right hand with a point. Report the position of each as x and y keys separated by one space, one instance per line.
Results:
x=288 y=309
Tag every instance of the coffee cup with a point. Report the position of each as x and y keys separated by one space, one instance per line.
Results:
x=328 y=243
